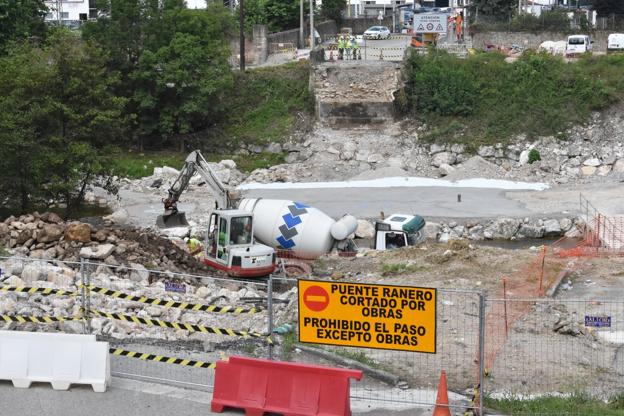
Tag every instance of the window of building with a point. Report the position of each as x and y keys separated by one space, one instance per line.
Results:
x=64 y=15
x=82 y=16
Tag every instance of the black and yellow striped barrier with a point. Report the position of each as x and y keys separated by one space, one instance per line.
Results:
x=171 y=303
x=176 y=325
x=36 y=319
x=42 y=290
x=161 y=358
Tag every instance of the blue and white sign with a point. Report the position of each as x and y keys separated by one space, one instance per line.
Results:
x=175 y=287
x=598 y=321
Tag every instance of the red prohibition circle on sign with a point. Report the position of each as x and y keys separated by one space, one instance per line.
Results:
x=316 y=298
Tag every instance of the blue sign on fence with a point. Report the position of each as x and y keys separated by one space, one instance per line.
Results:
x=175 y=287
x=598 y=321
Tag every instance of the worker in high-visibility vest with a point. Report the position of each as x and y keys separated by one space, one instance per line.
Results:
x=356 y=48
x=341 y=47
x=348 y=47
x=194 y=245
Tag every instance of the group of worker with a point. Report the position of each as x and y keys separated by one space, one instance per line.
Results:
x=348 y=48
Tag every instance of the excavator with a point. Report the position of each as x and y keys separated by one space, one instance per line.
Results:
x=229 y=242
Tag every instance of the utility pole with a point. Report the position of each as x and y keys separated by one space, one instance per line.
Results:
x=301 y=35
x=242 y=35
x=312 y=25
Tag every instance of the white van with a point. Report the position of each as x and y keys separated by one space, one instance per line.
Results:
x=578 y=45
x=615 y=43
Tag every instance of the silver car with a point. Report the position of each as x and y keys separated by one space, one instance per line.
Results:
x=377 y=32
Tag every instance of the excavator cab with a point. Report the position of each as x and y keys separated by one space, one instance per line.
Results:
x=230 y=245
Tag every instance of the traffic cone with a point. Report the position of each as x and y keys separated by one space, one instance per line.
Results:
x=442 y=402
x=331 y=55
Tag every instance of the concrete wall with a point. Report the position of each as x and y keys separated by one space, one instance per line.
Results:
x=341 y=114
x=532 y=40
x=325 y=29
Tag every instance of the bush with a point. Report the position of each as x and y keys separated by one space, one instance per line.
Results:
x=534 y=156
x=538 y=95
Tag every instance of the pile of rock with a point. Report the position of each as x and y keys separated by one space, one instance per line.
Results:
x=47 y=237
x=58 y=275
x=593 y=152
x=503 y=229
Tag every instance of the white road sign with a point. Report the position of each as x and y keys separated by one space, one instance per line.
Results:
x=430 y=22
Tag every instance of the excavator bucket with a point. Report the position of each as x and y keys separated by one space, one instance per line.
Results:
x=173 y=220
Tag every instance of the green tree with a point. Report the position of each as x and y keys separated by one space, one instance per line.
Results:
x=607 y=7
x=58 y=120
x=180 y=87
x=21 y=19
x=281 y=14
x=332 y=9
x=173 y=61
x=498 y=9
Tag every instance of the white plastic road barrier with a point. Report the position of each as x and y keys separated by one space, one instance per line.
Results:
x=59 y=359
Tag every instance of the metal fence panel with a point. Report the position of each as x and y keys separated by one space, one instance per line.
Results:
x=409 y=377
x=553 y=349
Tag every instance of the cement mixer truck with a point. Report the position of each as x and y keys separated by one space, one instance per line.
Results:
x=245 y=238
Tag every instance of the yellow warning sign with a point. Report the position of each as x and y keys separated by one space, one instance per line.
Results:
x=366 y=315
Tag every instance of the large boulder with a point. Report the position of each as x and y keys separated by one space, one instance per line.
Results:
x=50 y=232
x=4 y=229
x=79 y=232
x=24 y=235
x=33 y=272
x=364 y=229
x=502 y=228
x=443 y=158
x=120 y=216
x=552 y=228
x=51 y=217
x=99 y=252
x=139 y=273
x=531 y=231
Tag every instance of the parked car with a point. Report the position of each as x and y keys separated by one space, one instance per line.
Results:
x=615 y=43
x=377 y=32
x=578 y=45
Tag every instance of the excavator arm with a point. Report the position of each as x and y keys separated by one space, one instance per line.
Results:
x=194 y=163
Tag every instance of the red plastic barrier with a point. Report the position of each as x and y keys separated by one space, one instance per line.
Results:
x=293 y=389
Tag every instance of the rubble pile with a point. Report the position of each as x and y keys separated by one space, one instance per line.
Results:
x=59 y=275
x=584 y=154
x=47 y=237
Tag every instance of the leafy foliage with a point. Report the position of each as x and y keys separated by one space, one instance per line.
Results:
x=332 y=10
x=57 y=119
x=21 y=19
x=534 y=156
x=538 y=94
x=607 y=7
x=496 y=8
x=174 y=61
x=264 y=104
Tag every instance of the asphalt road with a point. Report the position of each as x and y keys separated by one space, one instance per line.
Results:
x=430 y=202
x=135 y=398
x=441 y=202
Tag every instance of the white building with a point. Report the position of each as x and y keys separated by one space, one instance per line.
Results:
x=67 y=10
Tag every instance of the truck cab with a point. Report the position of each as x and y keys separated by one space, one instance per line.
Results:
x=230 y=245
x=578 y=45
x=399 y=230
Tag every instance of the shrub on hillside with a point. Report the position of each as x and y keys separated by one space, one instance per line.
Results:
x=539 y=94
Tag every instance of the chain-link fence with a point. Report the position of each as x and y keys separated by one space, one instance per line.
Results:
x=171 y=328
x=563 y=346
x=408 y=377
